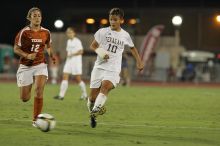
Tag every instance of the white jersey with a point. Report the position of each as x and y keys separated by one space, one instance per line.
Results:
x=73 y=46
x=114 y=42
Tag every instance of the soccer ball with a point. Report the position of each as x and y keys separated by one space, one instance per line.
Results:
x=45 y=122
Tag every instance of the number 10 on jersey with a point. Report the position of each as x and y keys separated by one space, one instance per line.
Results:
x=112 y=48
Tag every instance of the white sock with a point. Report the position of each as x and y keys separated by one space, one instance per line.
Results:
x=90 y=105
x=83 y=88
x=63 y=88
x=99 y=102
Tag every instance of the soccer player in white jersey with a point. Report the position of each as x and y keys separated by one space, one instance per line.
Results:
x=109 y=44
x=73 y=64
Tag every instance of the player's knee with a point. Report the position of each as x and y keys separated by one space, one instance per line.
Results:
x=78 y=81
x=104 y=90
x=65 y=77
x=25 y=99
x=92 y=98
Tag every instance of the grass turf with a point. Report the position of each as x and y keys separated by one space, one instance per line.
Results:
x=141 y=115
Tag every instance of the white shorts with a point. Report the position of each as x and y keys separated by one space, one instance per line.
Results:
x=54 y=71
x=98 y=75
x=25 y=74
x=72 y=68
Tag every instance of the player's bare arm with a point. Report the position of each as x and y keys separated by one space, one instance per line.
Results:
x=139 y=63
x=94 y=45
x=50 y=53
x=100 y=51
x=21 y=53
x=80 y=52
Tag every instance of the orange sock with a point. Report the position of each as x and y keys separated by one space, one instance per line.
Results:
x=38 y=104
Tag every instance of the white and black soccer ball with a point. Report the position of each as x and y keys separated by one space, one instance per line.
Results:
x=45 y=122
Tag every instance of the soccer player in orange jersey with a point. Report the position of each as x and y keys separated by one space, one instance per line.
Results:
x=30 y=43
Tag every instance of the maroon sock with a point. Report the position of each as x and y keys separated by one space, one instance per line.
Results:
x=38 y=104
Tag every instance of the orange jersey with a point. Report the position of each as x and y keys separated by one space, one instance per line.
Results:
x=33 y=42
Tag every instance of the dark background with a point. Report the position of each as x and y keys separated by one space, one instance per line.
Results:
x=197 y=32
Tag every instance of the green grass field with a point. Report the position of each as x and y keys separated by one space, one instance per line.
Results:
x=148 y=116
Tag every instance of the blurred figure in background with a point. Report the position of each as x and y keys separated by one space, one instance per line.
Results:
x=73 y=64
x=7 y=64
x=189 y=73
x=125 y=76
x=54 y=68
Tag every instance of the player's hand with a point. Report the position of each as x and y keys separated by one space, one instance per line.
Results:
x=140 y=66
x=106 y=57
x=31 y=56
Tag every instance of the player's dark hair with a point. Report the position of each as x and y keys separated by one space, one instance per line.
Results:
x=117 y=11
x=32 y=10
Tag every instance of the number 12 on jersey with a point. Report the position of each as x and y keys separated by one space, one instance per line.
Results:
x=35 y=47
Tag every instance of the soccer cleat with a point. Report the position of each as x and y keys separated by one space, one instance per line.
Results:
x=93 y=122
x=99 y=111
x=102 y=110
x=58 y=97
x=84 y=97
x=94 y=114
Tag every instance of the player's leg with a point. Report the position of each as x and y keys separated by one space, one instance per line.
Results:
x=24 y=81
x=54 y=74
x=25 y=93
x=91 y=100
x=109 y=81
x=40 y=81
x=77 y=72
x=99 y=96
x=63 y=86
x=126 y=77
x=90 y=104
x=67 y=70
x=106 y=87
x=95 y=85
x=82 y=86
x=122 y=81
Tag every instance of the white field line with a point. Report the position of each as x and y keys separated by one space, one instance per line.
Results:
x=123 y=125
